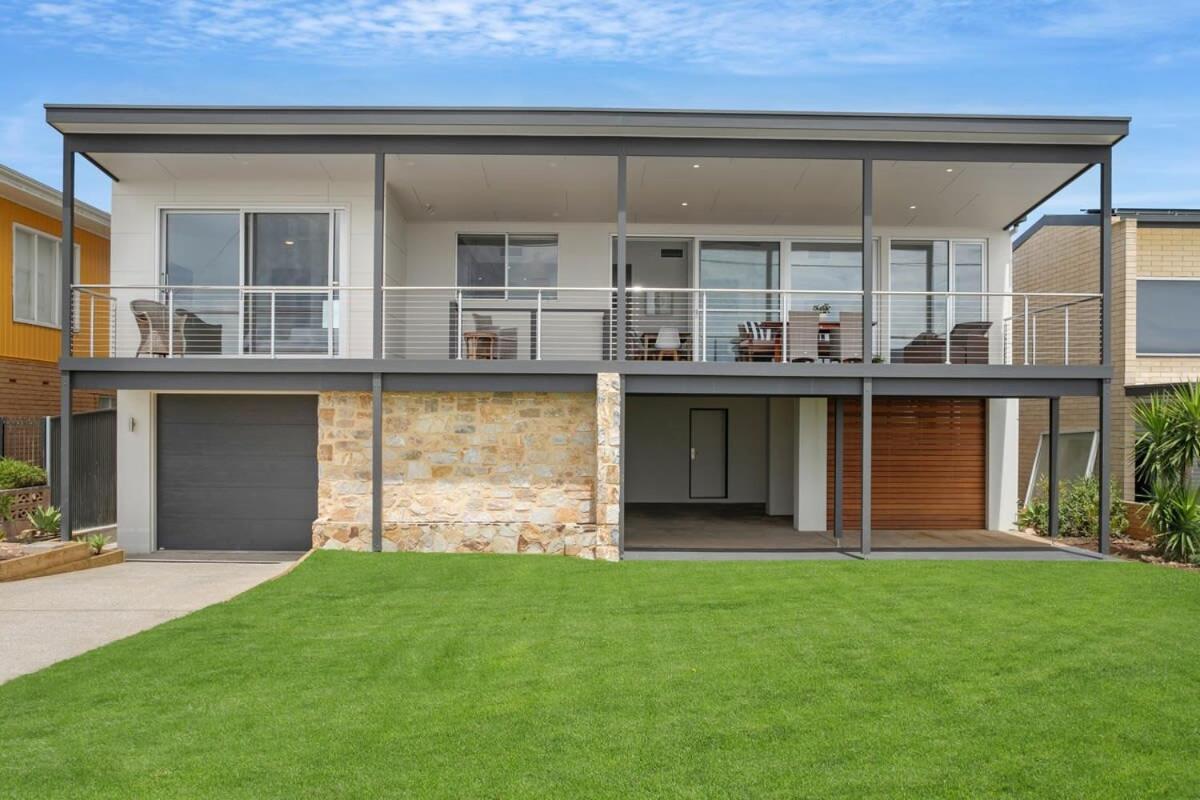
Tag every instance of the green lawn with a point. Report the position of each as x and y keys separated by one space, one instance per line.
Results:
x=504 y=676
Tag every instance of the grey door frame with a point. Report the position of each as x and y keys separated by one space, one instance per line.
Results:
x=724 y=412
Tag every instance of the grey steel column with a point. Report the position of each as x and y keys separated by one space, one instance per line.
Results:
x=839 y=469
x=64 y=455
x=621 y=450
x=866 y=467
x=868 y=259
x=1052 y=468
x=622 y=300
x=67 y=254
x=377 y=462
x=377 y=287
x=1102 y=461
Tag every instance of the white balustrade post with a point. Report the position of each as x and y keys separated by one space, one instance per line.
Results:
x=1025 y=329
x=784 y=308
x=949 y=325
x=538 y=343
x=462 y=340
x=272 y=296
x=170 y=323
x=91 y=325
x=703 y=325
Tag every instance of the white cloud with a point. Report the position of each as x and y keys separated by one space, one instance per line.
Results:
x=742 y=36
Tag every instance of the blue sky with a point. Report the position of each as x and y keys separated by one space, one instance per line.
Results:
x=1103 y=57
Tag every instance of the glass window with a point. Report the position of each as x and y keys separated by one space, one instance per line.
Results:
x=826 y=265
x=1075 y=456
x=532 y=261
x=501 y=261
x=1167 y=323
x=744 y=266
x=917 y=267
x=36 y=277
x=289 y=249
x=202 y=249
x=968 y=277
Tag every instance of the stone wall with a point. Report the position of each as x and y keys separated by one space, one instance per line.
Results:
x=503 y=472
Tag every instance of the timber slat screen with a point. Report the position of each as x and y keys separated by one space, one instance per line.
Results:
x=93 y=468
x=929 y=464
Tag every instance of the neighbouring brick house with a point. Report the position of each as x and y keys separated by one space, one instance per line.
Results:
x=1155 y=318
x=30 y=234
x=589 y=332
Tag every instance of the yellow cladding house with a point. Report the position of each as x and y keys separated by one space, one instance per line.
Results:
x=30 y=325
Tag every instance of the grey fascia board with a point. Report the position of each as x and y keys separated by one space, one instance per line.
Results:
x=81 y=118
x=949 y=372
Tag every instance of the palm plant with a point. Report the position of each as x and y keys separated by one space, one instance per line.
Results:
x=1166 y=450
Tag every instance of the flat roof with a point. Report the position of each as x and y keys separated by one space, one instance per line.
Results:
x=366 y=120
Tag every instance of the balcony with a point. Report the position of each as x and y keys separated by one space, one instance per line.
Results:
x=579 y=324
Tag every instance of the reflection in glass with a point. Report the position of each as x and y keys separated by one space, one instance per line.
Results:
x=289 y=249
x=202 y=248
x=1167 y=322
x=1074 y=459
x=744 y=266
x=481 y=263
x=532 y=261
x=917 y=267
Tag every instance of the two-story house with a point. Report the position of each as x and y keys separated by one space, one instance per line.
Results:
x=31 y=292
x=1156 y=330
x=585 y=332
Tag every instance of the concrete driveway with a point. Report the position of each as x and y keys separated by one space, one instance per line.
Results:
x=44 y=620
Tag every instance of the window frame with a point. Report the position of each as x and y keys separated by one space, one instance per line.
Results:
x=339 y=262
x=1137 y=351
x=520 y=292
x=1043 y=437
x=76 y=277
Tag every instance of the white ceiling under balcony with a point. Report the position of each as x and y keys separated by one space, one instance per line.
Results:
x=662 y=191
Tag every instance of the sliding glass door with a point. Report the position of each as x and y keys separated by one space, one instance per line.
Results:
x=745 y=269
x=290 y=249
x=922 y=321
x=229 y=272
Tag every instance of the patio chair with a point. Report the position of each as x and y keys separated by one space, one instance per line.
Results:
x=846 y=343
x=506 y=338
x=969 y=342
x=158 y=338
x=667 y=342
x=755 y=342
x=803 y=335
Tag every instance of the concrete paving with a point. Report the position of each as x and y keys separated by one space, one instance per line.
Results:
x=45 y=620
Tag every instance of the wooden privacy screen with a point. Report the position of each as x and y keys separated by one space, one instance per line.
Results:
x=929 y=464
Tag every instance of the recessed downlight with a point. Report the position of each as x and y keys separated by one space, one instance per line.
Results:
x=684 y=203
x=289 y=242
x=912 y=208
x=695 y=166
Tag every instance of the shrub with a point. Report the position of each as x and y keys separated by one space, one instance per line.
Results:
x=16 y=474
x=1078 y=509
x=46 y=520
x=1174 y=514
x=6 y=505
x=97 y=541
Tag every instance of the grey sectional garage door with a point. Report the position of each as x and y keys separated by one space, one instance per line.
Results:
x=236 y=472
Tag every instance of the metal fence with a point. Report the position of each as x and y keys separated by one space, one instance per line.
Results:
x=93 y=468
x=23 y=438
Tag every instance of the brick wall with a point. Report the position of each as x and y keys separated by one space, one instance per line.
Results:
x=30 y=389
x=1062 y=258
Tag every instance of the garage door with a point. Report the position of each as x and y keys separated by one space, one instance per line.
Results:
x=929 y=464
x=236 y=472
